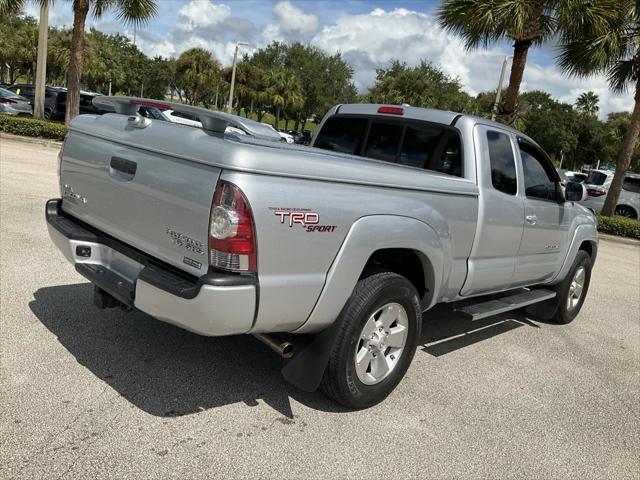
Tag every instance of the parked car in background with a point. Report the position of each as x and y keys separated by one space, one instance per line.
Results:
x=571 y=176
x=13 y=104
x=55 y=99
x=285 y=137
x=307 y=135
x=296 y=135
x=597 y=185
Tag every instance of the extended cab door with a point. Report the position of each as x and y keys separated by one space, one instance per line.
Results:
x=546 y=228
x=492 y=261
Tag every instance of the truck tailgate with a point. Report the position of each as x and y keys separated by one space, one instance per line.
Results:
x=154 y=202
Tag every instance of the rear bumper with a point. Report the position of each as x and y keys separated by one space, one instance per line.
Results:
x=214 y=304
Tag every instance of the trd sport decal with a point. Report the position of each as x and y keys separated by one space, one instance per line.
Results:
x=304 y=217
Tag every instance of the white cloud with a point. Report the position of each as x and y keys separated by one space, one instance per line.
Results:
x=366 y=40
x=292 y=24
x=202 y=13
x=371 y=40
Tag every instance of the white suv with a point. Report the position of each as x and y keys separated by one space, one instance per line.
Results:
x=597 y=185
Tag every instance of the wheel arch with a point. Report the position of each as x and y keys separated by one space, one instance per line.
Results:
x=374 y=238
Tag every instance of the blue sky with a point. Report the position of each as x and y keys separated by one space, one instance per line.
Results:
x=369 y=34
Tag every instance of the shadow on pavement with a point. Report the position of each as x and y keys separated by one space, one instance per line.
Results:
x=167 y=371
x=443 y=331
x=161 y=369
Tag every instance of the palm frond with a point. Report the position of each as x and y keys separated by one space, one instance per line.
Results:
x=135 y=12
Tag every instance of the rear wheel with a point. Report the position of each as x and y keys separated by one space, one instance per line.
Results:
x=625 y=211
x=378 y=334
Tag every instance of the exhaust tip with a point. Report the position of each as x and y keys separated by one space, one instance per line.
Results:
x=287 y=350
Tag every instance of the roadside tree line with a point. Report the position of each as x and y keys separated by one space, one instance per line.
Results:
x=298 y=81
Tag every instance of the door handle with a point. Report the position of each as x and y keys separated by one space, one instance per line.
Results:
x=122 y=168
x=531 y=219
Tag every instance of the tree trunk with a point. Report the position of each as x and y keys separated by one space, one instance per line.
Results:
x=297 y=124
x=260 y=115
x=304 y=122
x=624 y=158
x=277 y=119
x=508 y=111
x=80 y=11
x=286 y=121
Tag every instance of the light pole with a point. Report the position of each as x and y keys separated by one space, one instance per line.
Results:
x=494 y=110
x=233 y=76
x=41 y=63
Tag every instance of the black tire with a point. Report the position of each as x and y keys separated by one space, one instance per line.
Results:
x=625 y=211
x=48 y=113
x=340 y=380
x=564 y=314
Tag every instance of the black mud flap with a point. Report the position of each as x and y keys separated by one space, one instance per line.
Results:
x=306 y=368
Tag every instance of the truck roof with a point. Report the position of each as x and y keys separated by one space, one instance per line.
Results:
x=419 y=113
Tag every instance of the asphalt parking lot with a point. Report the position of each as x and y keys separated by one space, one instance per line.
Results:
x=86 y=393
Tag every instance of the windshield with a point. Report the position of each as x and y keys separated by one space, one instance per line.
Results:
x=596 y=178
x=4 y=93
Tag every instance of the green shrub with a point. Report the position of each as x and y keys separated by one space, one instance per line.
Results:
x=622 y=226
x=31 y=127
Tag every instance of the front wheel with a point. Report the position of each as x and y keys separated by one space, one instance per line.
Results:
x=573 y=289
x=378 y=334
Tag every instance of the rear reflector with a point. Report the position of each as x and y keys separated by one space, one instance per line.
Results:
x=391 y=110
x=232 y=244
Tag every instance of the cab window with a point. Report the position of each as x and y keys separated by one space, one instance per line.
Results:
x=539 y=181
x=342 y=134
x=383 y=141
x=503 y=165
x=433 y=148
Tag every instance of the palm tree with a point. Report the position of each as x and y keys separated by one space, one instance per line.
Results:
x=481 y=22
x=587 y=104
x=196 y=71
x=603 y=36
x=284 y=90
x=133 y=12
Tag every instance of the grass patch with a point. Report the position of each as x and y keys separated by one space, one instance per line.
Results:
x=32 y=127
x=621 y=226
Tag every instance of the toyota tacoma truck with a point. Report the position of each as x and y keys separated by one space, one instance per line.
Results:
x=329 y=254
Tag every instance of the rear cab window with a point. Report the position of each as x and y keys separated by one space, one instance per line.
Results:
x=407 y=142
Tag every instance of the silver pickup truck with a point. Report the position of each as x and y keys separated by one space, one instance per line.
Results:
x=330 y=255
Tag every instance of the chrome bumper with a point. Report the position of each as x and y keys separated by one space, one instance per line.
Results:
x=213 y=305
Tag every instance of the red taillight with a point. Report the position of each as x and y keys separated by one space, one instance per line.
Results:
x=593 y=192
x=7 y=100
x=146 y=103
x=391 y=110
x=232 y=241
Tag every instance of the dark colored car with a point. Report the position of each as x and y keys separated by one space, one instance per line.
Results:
x=54 y=98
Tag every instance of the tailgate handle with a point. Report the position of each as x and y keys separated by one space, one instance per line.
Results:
x=122 y=165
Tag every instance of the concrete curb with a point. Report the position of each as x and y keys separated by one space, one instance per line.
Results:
x=616 y=239
x=41 y=141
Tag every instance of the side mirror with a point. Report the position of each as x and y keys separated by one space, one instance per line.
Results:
x=575 y=192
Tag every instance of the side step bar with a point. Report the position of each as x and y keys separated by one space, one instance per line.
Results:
x=488 y=308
